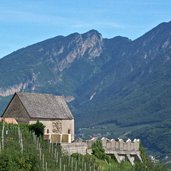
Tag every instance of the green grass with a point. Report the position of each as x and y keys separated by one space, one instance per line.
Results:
x=36 y=152
x=39 y=155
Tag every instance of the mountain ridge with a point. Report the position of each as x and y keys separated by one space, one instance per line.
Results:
x=118 y=80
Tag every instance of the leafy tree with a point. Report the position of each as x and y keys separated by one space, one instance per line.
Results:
x=37 y=128
x=98 y=151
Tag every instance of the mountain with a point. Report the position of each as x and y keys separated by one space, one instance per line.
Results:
x=117 y=84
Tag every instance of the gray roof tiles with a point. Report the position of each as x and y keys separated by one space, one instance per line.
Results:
x=45 y=106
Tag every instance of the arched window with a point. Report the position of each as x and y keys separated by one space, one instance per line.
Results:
x=69 y=131
x=47 y=131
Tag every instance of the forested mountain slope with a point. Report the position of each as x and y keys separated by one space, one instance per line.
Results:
x=107 y=81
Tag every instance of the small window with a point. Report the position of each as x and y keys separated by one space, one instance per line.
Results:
x=69 y=131
x=47 y=131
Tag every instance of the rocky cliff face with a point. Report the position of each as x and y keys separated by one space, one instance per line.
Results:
x=54 y=55
x=89 y=44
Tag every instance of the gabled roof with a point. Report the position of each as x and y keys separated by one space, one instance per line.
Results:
x=45 y=106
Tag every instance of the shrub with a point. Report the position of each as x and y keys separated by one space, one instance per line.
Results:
x=37 y=128
x=4 y=162
x=98 y=151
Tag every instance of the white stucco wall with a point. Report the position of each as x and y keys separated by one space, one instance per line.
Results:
x=66 y=125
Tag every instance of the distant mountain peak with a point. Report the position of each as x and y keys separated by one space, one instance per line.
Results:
x=165 y=23
x=92 y=31
x=89 y=44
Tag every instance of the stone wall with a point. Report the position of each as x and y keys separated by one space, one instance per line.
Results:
x=75 y=147
x=122 y=150
x=121 y=145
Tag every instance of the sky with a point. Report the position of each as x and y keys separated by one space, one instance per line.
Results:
x=23 y=23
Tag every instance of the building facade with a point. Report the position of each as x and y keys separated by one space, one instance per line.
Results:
x=50 y=110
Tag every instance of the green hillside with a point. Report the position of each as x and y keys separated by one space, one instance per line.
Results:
x=21 y=150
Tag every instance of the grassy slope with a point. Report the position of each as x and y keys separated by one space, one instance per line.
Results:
x=11 y=156
x=50 y=155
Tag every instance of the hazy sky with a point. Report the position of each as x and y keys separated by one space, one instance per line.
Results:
x=24 y=22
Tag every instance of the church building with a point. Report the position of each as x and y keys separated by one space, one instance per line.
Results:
x=50 y=110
